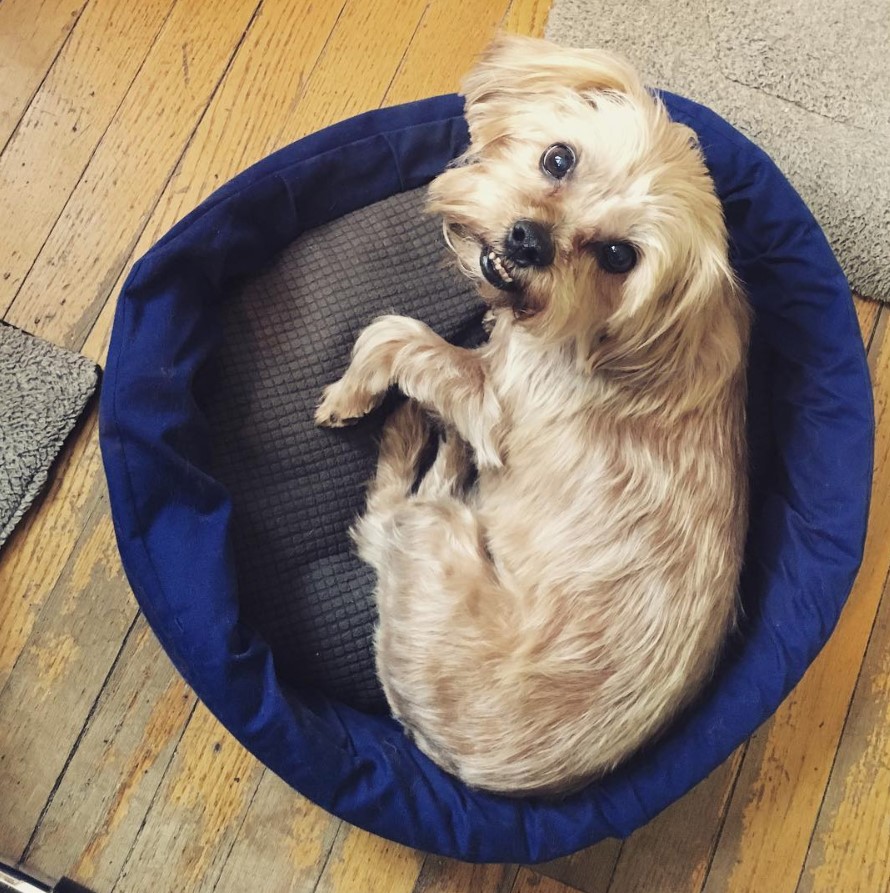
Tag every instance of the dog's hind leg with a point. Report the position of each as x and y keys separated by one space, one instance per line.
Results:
x=405 y=436
x=450 y=473
x=446 y=627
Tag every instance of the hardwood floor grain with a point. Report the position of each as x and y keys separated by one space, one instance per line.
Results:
x=64 y=123
x=55 y=682
x=80 y=259
x=850 y=849
x=31 y=34
x=105 y=792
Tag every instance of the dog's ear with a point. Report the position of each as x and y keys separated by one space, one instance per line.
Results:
x=512 y=68
x=668 y=322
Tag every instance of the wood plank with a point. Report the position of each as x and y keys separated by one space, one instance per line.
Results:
x=317 y=102
x=444 y=48
x=673 y=852
x=529 y=881
x=69 y=281
x=36 y=554
x=95 y=347
x=867 y=311
x=850 y=849
x=105 y=791
x=440 y=875
x=31 y=34
x=364 y=862
x=352 y=75
x=527 y=17
x=243 y=122
x=285 y=840
x=589 y=870
x=358 y=65
x=194 y=819
x=242 y=125
x=786 y=768
x=58 y=677
x=64 y=123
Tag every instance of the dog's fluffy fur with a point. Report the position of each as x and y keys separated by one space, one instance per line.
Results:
x=541 y=622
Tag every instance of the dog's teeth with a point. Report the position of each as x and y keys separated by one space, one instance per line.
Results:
x=502 y=270
x=499 y=265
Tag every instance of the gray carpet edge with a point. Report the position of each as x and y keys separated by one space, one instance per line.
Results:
x=44 y=392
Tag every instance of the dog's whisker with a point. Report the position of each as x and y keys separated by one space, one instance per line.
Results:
x=446 y=232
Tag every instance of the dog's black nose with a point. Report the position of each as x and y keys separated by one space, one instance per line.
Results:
x=529 y=244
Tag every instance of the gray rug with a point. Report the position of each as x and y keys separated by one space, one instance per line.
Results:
x=808 y=80
x=43 y=391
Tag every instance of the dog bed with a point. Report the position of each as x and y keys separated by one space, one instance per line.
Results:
x=231 y=509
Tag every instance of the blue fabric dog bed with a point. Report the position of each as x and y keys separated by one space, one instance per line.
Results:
x=222 y=492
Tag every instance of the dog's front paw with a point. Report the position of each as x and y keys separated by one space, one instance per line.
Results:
x=342 y=404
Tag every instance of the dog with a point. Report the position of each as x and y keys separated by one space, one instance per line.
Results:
x=560 y=582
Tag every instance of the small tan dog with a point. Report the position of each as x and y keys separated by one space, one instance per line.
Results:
x=540 y=624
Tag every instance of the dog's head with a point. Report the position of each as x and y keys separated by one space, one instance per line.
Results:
x=579 y=203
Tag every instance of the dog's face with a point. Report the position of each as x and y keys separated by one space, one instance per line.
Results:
x=579 y=203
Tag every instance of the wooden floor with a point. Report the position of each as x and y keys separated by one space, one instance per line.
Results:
x=117 y=117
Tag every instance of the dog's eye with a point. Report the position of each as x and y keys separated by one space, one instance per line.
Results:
x=616 y=257
x=558 y=160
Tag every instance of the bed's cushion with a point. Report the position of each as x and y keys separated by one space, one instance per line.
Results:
x=285 y=334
